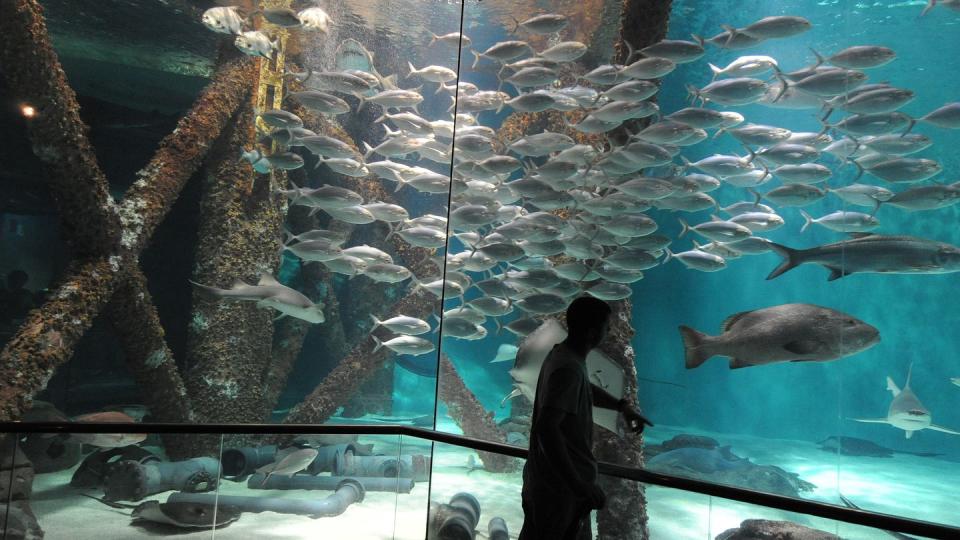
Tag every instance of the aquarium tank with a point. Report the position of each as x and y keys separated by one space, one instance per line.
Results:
x=283 y=214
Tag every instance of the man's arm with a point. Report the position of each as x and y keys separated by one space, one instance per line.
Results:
x=635 y=419
x=604 y=399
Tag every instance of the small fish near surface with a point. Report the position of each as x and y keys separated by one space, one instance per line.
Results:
x=269 y=293
x=784 y=333
x=906 y=412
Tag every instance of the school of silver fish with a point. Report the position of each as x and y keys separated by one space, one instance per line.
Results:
x=535 y=222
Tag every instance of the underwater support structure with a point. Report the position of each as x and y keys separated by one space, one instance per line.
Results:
x=468 y=413
x=48 y=336
x=30 y=65
x=625 y=516
x=229 y=349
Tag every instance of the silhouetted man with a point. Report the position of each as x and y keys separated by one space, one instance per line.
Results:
x=560 y=476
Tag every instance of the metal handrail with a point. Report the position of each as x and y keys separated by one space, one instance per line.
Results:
x=802 y=506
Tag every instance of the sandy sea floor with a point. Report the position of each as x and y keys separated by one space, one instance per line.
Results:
x=918 y=487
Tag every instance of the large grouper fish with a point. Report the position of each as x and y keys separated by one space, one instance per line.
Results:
x=873 y=253
x=784 y=333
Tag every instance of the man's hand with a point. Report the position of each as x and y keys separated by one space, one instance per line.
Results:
x=635 y=419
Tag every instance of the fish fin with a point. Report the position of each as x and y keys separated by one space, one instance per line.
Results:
x=908 y=434
x=267 y=279
x=684 y=227
x=731 y=31
x=411 y=68
x=379 y=344
x=802 y=346
x=871 y=420
x=928 y=7
x=476 y=59
x=835 y=273
x=376 y=322
x=791 y=259
x=737 y=363
x=693 y=344
x=728 y=323
x=892 y=386
x=368 y=150
x=942 y=429
x=820 y=59
x=860 y=234
x=516 y=25
x=807 y=219
x=516 y=392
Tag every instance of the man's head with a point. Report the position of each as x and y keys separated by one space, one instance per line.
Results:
x=587 y=320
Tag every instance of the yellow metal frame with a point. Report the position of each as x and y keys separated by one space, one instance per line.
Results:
x=270 y=83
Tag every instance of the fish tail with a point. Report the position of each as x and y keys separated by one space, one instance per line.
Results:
x=376 y=321
x=206 y=291
x=516 y=24
x=716 y=71
x=684 y=227
x=791 y=259
x=929 y=6
x=807 y=220
x=699 y=39
x=379 y=344
x=913 y=122
x=476 y=59
x=369 y=150
x=433 y=39
x=412 y=69
x=693 y=345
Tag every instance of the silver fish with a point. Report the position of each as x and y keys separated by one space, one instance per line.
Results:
x=503 y=51
x=925 y=198
x=402 y=324
x=547 y=23
x=696 y=259
x=224 y=20
x=842 y=221
x=860 y=57
x=795 y=195
x=873 y=253
x=315 y=18
x=678 y=51
x=735 y=91
x=565 y=51
x=256 y=44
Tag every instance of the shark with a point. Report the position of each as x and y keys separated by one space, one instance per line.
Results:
x=955 y=380
x=603 y=372
x=906 y=411
x=270 y=293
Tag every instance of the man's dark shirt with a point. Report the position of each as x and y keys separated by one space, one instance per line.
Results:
x=563 y=385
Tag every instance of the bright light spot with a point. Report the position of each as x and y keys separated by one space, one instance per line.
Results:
x=28 y=111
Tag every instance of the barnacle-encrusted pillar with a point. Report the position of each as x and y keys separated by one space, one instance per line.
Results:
x=642 y=23
x=149 y=359
x=625 y=516
x=89 y=221
x=315 y=281
x=475 y=421
x=48 y=336
x=229 y=343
